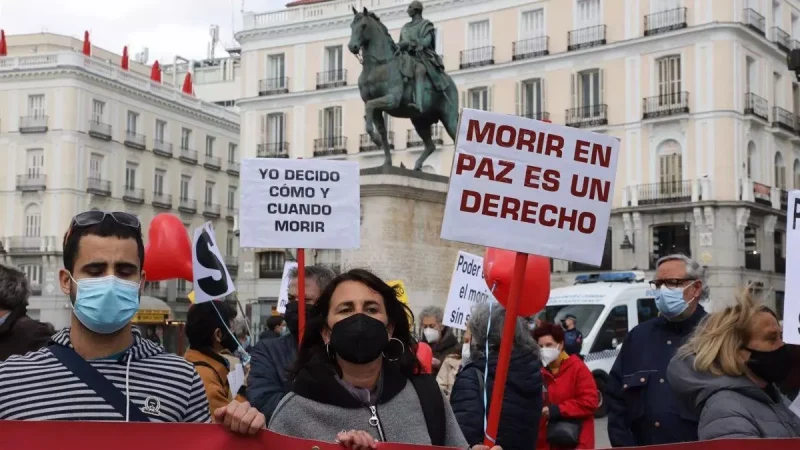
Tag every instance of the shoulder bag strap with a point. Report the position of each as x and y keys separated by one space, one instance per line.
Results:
x=481 y=381
x=432 y=402
x=205 y=364
x=96 y=382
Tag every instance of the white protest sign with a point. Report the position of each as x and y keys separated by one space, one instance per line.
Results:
x=236 y=379
x=791 y=305
x=530 y=186
x=283 y=293
x=300 y=203
x=211 y=277
x=467 y=289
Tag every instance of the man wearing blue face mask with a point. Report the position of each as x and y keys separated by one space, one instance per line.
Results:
x=642 y=407
x=101 y=368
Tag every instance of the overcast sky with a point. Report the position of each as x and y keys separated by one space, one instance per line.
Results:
x=166 y=27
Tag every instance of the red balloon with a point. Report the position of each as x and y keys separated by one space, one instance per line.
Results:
x=425 y=356
x=168 y=254
x=498 y=269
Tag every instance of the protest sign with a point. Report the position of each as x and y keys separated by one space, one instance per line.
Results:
x=211 y=277
x=530 y=186
x=401 y=290
x=467 y=289
x=283 y=292
x=293 y=203
x=791 y=305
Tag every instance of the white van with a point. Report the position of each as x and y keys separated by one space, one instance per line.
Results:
x=606 y=305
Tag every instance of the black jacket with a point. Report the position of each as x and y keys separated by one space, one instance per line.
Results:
x=20 y=334
x=522 y=403
x=268 y=334
x=270 y=362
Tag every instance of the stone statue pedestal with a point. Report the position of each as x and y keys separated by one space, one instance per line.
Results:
x=401 y=219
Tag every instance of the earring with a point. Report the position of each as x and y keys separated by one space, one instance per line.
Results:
x=402 y=350
x=328 y=351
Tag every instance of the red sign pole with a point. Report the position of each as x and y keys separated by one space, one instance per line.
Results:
x=301 y=293
x=506 y=345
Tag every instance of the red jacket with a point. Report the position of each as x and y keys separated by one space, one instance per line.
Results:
x=572 y=394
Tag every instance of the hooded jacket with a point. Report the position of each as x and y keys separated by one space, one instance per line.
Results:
x=731 y=407
x=19 y=334
x=267 y=382
x=165 y=387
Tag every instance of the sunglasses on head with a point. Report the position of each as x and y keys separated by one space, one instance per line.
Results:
x=90 y=218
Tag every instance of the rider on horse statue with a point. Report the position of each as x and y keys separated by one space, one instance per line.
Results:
x=417 y=50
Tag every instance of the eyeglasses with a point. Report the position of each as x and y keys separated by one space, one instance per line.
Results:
x=671 y=283
x=90 y=218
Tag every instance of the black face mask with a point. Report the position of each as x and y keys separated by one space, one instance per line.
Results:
x=292 y=317
x=772 y=367
x=229 y=342
x=359 y=339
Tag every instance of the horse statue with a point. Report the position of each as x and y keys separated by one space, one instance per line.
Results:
x=386 y=87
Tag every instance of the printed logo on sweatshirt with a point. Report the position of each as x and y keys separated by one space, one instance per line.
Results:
x=152 y=406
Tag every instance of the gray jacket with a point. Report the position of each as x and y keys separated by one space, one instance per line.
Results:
x=731 y=407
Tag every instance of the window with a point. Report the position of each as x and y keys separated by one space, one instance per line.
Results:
x=479 y=98
x=777 y=17
x=779 y=241
x=98 y=111
x=587 y=92
x=270 y=264
x=478 y=35
x=671 y=239
x=186 y=138
x=752 y=259
x=209 y=196
x=276 y=72
x=333 y=64
x=158 y=182
x=795 y=27
x=186 y=182
x=33 y=272
x=588 y=13
x=274 y=130
x=33 y=221
x=231 y=197
x=331 y=123
x=130 y=176
x=779 y=299
x=646 y=309
x=161 y=130
x=670 y=167
x=664 y=5
x=780 y=171
x=230 y=240
x=36 y=106
x=133 y=121
x=777 y=88
x=752 y=161
x=530 y=98
x=751 y=77
x=34 y=163
x=531 y=24
x=96 y=166
x=669 y=79
x=210 y=145
x=613 y=331
x=232 y=152
x=795 y=99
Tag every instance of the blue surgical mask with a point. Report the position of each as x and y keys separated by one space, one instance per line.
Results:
x=105 y=305
x=284 y=331
x=670 y=302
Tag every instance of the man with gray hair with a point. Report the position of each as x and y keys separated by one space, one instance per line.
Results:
x=19 y=334
x=441 y=338
x=271 y=359
x=642 y=408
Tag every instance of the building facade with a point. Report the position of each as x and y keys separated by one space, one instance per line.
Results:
x=697 y=91
x=80 y=133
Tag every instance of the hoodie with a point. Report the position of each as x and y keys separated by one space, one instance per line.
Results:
x=731 y=407
x=165 y=387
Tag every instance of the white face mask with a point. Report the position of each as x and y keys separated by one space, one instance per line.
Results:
x=549 y=354
x=431 y=335
x=465 y=351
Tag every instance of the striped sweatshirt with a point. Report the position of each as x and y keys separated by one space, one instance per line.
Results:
x=165 y=387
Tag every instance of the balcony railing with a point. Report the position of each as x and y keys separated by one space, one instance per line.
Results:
x=133 y=140
x=756 y=106
x=188 y=156
x=33 y=124
x=586 y=37
x=332 y=79
x=100 y=130
x=31 y=182
x=334 y=145
x=665 y=21
x=231 y=212
x=97 y=186
x=187 y=205
x=233 y=168
x=476 y=57
x=781 y=39
x=587 y=116
x=754 y=21
x=273 y=150
x=783 y=119
x=27 y=244
x=536 y=115
x=162 y=148
x=161 y=200
x=365 y=144
x=273 y=86
x=413 y=139
x=762 y=194
x=530 y=48
x=665 y=105
x=211 y=210
x=133 y=195
x=664 y=193
x=212 y=162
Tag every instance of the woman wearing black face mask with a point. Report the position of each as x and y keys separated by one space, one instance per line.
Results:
x=357 y=371
x=727 y=374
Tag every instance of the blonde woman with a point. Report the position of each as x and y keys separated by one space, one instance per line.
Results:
x=727 y=373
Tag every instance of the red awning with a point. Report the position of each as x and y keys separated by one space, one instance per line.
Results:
x=124 y=63
x=155 y=72
x=3 y=45
x=187 y=84
x=87 y=44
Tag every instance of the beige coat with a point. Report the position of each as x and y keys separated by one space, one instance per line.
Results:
x=447 y=374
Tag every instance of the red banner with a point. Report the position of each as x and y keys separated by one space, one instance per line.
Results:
x=136 y=436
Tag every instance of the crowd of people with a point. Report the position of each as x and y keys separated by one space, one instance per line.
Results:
x=355 y=378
